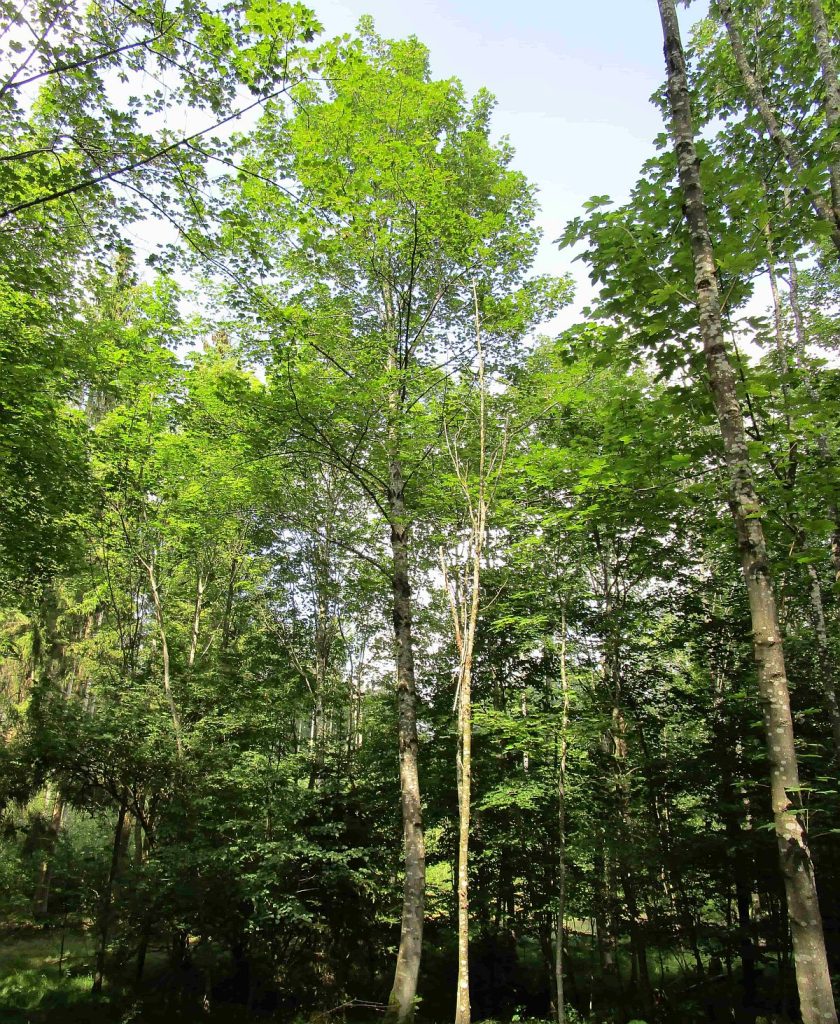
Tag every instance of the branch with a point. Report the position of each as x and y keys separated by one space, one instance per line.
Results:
x=142 y=162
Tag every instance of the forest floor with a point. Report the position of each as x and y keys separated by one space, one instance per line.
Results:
x=46 y=977
x=38 y=978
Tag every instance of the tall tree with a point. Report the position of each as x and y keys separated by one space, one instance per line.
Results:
x=401 y=202
x=813 y=976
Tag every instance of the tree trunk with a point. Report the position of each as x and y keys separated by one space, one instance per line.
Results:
x=105 y=920
x=827 y=673
x=560 y=1005
x=164 y=648
x=196 y=622
x=826 y=662
x=323 y=640
x=41 y=899
x=462 y=1004
x=404 y=991
x=813 y=394
x=466 y=645
x=812 y=974
x=822 y=42
x=465 y=624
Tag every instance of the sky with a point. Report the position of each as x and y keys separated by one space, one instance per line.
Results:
x=573 y=83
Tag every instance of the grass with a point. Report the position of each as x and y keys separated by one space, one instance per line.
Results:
x=40 y=950
x=39 y=982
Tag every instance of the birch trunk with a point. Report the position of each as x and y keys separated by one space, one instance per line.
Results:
x=812 y=974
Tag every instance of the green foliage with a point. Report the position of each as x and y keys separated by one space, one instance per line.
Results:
x=201 y=480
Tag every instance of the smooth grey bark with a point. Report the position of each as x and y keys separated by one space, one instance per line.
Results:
x=812 y=974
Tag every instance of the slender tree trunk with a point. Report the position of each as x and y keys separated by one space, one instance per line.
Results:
x=226 y=617
x=746 y=947
x=164 y=648
x=462 y=1004
x=827 y=673
x=196 y=622
x=465 y=641
x=107 y=896
x=322 y=655
x=813 y=394
x=404 y=991
x=40 y=901
x=465 y=624
x=606 y=932
x=813 y=979
x=759 y=101
x=831 y=85
x=825 y=660
x=778 y=322
x=560 y=1005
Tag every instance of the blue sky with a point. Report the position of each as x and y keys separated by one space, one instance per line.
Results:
x=572 y=80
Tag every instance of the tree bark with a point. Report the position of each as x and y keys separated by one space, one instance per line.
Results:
x=40 y=901
x=560 y=1006
x=831 y=84
x=462 y=1004
x=813 y=394
x=323 y=643
x=826 y=662
x=827 y=672
x=404 y=990
x=465 y=624
x=164 y=648
x=196 y=622
x=812 y=974
x=107 y=896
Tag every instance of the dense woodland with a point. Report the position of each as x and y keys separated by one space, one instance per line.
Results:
x=368 y=649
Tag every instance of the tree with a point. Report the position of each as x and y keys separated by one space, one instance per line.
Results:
x=401 y=202
x=813 y=977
